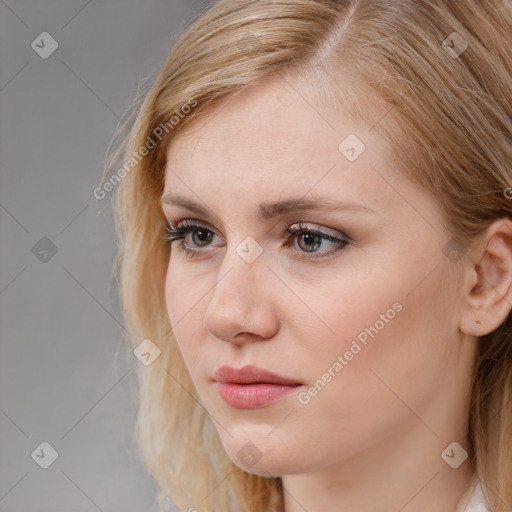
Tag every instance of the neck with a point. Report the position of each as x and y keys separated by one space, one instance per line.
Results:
x=405 y=473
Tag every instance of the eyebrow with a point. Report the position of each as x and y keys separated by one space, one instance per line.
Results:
x=269 y=210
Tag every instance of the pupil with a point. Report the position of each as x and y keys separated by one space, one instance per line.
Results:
x=310 y=237
x=201 y=235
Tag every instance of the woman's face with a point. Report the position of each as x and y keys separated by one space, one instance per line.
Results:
x=365 y=323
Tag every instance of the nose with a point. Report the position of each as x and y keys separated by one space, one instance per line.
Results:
x=242 y=307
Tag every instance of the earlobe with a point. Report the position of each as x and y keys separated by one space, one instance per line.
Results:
x=489 y=300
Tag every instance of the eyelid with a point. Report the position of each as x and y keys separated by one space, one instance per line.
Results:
x=318 y=228
x=192 y=224
x=183 y=223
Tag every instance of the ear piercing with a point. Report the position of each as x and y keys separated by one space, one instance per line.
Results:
x=478 y=322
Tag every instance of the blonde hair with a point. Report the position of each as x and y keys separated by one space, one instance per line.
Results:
x=448 y=118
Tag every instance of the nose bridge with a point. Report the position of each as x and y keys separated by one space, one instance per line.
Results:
x=239 y=275
x=240 y=300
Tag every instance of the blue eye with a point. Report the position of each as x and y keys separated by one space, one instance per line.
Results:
x=311 y=239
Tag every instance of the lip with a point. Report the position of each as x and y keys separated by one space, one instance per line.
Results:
x=251 y=374
x=252 y=387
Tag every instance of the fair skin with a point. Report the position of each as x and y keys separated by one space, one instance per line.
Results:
x=371 y=439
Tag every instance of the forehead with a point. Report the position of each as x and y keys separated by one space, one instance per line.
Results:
x=275 y=139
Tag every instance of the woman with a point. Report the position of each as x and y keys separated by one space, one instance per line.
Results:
x=315 y=223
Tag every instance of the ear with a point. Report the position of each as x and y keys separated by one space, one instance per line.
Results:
x=489 y=295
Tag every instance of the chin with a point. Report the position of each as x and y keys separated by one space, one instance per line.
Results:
x=265 y=456
x=268 y=468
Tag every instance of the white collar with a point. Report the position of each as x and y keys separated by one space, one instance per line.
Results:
x=473 y=500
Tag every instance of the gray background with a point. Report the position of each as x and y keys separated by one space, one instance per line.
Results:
x=60 y=379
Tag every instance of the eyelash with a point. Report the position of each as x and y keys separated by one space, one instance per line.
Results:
x=185 y=227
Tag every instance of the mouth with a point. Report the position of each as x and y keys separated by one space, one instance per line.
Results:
x=252 y=387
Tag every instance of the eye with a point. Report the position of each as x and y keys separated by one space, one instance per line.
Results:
x=312 y=239
x=308 y=239
x=200 y=235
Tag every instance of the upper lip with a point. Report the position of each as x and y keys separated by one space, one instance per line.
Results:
x=251 y=375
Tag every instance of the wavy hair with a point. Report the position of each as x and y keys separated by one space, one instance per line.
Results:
x=446 y=109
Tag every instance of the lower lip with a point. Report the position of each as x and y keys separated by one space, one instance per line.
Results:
x=252 y=396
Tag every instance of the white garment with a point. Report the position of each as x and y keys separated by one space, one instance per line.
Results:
x=474 y=500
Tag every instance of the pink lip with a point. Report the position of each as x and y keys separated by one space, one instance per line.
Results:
x=251 y=387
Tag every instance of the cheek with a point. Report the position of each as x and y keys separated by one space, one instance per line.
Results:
x=330 y=316
x=184 y=311
x=173 y=291
x=184 y=295
x=393 y=343
x=373 y=319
